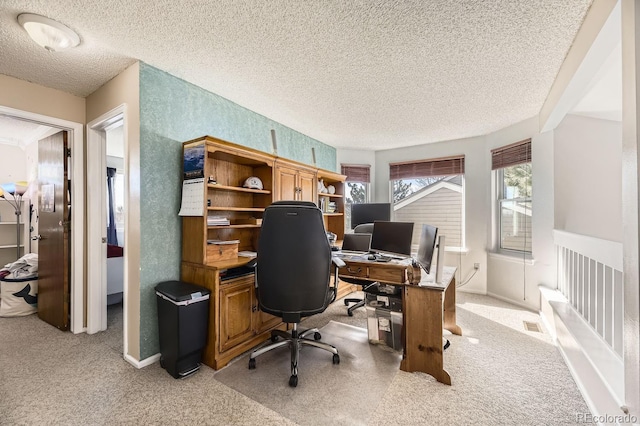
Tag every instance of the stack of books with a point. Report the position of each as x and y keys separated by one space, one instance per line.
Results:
x=217 y=221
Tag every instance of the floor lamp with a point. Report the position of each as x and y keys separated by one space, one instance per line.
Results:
x=12 y=194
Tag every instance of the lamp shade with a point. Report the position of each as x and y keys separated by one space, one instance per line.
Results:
x=50 y=34
x=21 y=187
x=9 y=188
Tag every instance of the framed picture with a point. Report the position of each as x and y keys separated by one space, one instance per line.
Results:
x=48 y=198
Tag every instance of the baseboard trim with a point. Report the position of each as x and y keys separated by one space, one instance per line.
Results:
x=144 y=363
x=513 y=302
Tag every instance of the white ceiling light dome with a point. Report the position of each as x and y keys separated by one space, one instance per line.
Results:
x=50 y=34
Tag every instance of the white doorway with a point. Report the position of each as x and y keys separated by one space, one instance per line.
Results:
x=106 y=148
x=76 y=142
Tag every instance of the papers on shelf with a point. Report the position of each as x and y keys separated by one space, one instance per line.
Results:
x=223 y=241
x=217 y=221
x=247 y=253
x=192 y=198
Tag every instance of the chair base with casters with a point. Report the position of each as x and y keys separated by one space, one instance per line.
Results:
x=295 y=341
x=359 y=303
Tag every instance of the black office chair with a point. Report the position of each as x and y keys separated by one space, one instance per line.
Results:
x=292 y=275
x=356 y=242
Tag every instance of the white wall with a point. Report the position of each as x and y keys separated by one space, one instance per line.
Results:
x=14 y=164
x=510 y=278
x=476 y=198
x=588 y=202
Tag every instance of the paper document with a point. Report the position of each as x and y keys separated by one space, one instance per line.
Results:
x=247 y=253
x=192 y=198
x=223 y=241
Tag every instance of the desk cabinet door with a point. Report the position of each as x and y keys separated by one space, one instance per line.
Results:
x=236 y=316
x=265 y=321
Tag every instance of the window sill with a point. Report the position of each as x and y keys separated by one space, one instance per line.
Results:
x=515 y=258
x=462 y=250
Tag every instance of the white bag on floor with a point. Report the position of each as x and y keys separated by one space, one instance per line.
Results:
x=18 y=296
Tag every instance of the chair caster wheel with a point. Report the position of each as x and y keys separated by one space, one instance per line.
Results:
x=336 y=359
x=274 y=338
x=317 y=336
x=350 y=313
x=252 y=364
x=293 y=381
x=346 y=303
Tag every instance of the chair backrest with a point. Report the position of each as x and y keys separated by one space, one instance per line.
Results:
x=364 y=227
x=294 y=261
x=356 y=242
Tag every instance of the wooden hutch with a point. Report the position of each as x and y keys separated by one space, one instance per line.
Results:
x=236 y=323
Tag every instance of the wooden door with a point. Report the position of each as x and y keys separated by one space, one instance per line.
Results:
x=236 y=316
x=286 y=183
x=308 y=186
x=54 y=229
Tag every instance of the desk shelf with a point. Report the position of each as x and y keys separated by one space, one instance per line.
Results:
x=240 y=226
x=237 y=189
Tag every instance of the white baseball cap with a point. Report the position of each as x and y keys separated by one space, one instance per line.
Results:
x=253 y=182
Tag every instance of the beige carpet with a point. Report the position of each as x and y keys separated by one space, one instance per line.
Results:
x=502 y=374
x=326 y=393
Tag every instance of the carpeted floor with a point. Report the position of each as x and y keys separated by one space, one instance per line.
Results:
x=321 y=384
x=501 y=374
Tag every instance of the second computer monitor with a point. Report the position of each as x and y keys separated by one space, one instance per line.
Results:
x=427 y=246
x=369 y=213
x=392 y=238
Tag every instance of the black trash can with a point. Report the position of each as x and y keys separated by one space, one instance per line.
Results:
x=183 y=317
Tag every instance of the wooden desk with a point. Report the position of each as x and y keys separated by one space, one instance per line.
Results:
x=427 y=308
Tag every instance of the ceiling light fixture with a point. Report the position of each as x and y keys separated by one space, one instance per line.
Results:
x=50 y=34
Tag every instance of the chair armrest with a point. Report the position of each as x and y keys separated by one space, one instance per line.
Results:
x=338 y=262
x=252 y=263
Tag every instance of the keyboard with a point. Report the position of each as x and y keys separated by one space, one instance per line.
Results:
x=351 y=253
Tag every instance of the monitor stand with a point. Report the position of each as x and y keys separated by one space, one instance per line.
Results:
x=440 y=264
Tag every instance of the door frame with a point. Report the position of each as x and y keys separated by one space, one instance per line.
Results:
x=76 y=142
x=97 y=223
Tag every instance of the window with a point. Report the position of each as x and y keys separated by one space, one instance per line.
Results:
x=512 y=166
x=357 y=188
x=430 y=192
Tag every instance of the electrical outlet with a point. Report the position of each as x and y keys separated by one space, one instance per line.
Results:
x=476 y=266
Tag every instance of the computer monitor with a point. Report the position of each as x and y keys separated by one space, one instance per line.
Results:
x=392 y=238
x=369 y=213
x=427 y=247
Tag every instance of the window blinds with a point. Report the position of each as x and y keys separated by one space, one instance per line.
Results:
x=356 y=172
x=446 y=166
x=511 y=155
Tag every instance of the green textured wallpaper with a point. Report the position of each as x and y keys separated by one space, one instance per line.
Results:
x=173 y=111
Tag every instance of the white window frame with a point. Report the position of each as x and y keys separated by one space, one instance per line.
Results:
x=367 y=199
x=463 y=219
x=500 y=198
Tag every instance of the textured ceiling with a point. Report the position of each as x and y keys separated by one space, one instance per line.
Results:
x=20 y=132
x=367 y=74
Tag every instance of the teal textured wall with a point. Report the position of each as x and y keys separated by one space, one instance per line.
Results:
x=173 y=111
